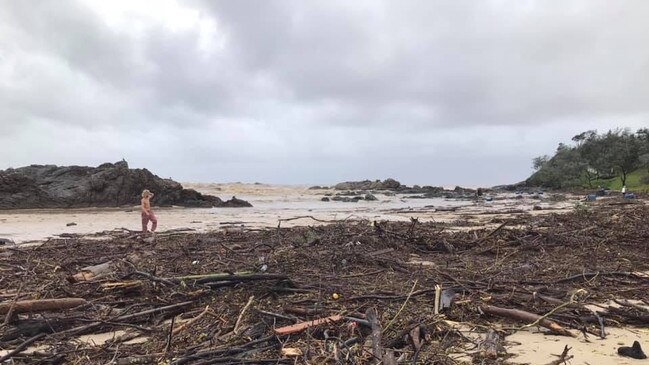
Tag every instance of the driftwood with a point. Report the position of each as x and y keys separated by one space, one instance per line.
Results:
x=299 y=327
x=94 y=272
x=377 y=332
x=491 y=346
x=523 y=316
x=377 y=351
x=563 y=358
x=236 y=277
x=127 y=317
x=41 y=305
x=22 y=347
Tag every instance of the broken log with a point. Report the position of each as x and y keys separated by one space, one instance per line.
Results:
x=491 y=347
x=41 y=305
x=299 y=327
x=94 y=272
x=528 y=317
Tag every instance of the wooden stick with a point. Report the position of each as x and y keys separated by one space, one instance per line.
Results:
x=21 y=347
x=377 y=350
x=299 y=327
x=124 y=318
x=523 y=316
x=10 y=311
x=191 y=321
x=243 y=311
x=170 y=335
x=41 y=305
x=563 y=358
x=237 y=277
x=491 y=233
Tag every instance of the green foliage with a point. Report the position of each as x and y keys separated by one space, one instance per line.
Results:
x=595 y=160
x=637 y=181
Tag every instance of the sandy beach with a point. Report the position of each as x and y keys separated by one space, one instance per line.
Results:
x=271 y=203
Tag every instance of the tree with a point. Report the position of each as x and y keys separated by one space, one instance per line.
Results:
x=622 y=152
x=593 y=156
x=562 y=171
x=538 y=162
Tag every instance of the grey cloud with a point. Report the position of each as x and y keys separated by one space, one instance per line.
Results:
x=320 y=91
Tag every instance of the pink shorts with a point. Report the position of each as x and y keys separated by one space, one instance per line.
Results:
x=145 y=221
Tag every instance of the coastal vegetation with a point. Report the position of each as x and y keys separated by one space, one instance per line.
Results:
x=608 y=160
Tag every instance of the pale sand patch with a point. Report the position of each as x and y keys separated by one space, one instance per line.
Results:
x=537 y=348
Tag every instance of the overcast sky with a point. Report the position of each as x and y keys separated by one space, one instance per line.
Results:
x=305 y=92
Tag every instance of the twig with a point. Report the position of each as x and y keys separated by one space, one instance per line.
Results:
x=412 y=290
x=545 y=316
x=10 y=312
x=191 y=321
x=491 y=233
x=563 y=358
x=243 y=311
x=170 y=335
x=21 y=347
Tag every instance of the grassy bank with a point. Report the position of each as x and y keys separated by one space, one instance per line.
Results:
x=634 y=182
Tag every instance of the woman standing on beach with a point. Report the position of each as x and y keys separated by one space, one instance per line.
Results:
x=147 y=213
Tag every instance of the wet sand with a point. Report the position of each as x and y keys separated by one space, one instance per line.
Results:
x=270 y=204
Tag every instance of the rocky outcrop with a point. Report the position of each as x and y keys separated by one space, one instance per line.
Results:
x=388 y=184
x=108 y=185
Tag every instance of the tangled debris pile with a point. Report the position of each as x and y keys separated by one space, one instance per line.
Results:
x=346 y=293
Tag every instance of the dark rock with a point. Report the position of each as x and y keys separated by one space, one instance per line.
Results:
x=537 y=207
x=388 y=184
x=325 y=199
x=71 y=224
x=109 y=185
x=235 y=203
x=346 y=199
x=370 y=197
x=318 y=187
x=634 y=351
x=349 y=193
x=4 y=241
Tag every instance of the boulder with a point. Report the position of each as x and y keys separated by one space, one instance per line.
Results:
x=388 y=184
x=370 y=197
x=108 y=185
x=346 y=199
x=235 y=203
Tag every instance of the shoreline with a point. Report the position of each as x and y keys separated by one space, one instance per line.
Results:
x=29 y=225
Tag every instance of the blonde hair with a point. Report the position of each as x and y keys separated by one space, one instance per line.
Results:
x=146 y=193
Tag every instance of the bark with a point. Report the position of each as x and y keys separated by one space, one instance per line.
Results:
x=528 y=317
x=42 y=305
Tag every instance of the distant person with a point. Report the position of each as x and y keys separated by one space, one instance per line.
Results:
x=147 y=213
x=623 y=190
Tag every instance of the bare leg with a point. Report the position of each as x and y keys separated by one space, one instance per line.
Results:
x=145 y=222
